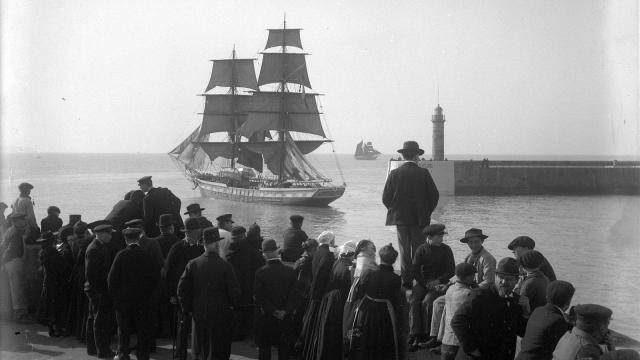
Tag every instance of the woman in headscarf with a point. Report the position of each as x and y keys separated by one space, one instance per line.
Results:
x=365 y=260
x=376 y=327
x=326 y=341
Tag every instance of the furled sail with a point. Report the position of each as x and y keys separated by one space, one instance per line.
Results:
x=287 y=67
x=233 y=72
x=286 y=37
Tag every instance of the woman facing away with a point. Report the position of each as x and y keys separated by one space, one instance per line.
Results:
x=375 y=331
x=365 y=255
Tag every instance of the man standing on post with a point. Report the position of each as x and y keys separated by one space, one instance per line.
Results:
x=158 y=201
x=294 y=237
x=410 y=196
x=24 y=205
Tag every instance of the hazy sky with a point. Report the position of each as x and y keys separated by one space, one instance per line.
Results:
x=515 y=77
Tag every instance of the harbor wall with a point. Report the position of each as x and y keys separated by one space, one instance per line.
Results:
x=546 y=177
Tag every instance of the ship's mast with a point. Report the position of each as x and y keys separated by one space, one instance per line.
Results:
x=283 y=85
x=233 y=92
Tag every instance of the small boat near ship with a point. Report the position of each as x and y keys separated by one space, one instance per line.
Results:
x=264 y=134
x=365 y=151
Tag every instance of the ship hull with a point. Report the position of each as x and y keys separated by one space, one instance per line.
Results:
x=366 y=157
x=321 y=196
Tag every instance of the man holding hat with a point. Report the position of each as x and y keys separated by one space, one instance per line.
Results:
x=179 y=255
x=275 y=295
x=133 y=277
x=433 y=266
x=208 y=290
x=24 y=205
x=102 y=317
x=410 y=196
x=293 y=238
x=589 y=338
x=157 y=201
x=52 y=222
x=487 y=325
x=195 y=211
x=12 y=265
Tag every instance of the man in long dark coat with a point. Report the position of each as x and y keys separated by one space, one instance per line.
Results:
x=158 y=201
x=293 y=238
x=133 y=276
x=245 y=260
x=54 y=285
x=208 y=289
x=488 y=324
x=275 y=292
x=102 y=317
x=410 y=196
x=165 y=240
x=179 y=255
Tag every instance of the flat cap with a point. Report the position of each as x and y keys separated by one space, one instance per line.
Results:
x=144 y=179
x=238 y=231
x=593 y=312
x=508 y=266
x=25 y=186
x=296 y=218
x=465 y=269
x=134 y=223
x=211 y=235
x=522 y=241
x=434 y=229
x=191 y=224
x=131 y=233
x=103 y=228
x=473 y=232
x=531 y=259
x=225 y=217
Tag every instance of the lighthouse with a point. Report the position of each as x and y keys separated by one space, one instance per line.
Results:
x=437 y=144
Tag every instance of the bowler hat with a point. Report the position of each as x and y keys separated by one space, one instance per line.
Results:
x=269 y=246
x=593 y=312
x=25 y=186
x=191 y=224
x=508 y=266
x=103 y=228
x=46 y=237
x=193 y=208
x=225 y=217
x=134 y=223
x=211 y=235
x=165 y=220
x=465 y=269
x=144 y=179
x=473 y=232
x=434 y=229
x=131 y=233
x=53 y=209
x=531 y=259
x=411 y=147
x=522 y=241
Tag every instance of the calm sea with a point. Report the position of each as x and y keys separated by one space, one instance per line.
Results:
x=593 y=242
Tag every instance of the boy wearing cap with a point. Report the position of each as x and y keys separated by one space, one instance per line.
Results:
x=52 y=222
x=534 y=284
x=275 y=295
x=208 y=290
x=293 y=238
x=589 y=339
x=487 y=325
x=521 y=245
x=457 y=294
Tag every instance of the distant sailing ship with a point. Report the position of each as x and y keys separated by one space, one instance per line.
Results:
x=365 y=151
x=260 y=154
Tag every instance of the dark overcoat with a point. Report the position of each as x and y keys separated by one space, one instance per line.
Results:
x=133 y=277
x=275 y=288
x=97 y=262
x=245 y=260
x=490 y=323
x=156 y=202
x=292 y=244
x=410 y=195
x=123 y=211
x=50 y=223
x=179 y=255
x=321 y=266
x=544 y=329
x=166 y=241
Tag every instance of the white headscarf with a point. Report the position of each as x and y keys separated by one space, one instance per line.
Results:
x=348 y=247
x=326 y=237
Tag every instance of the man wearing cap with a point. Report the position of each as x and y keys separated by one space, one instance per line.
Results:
x=208 y=289
x=24 y=205
x=245 y=260
x=12 y=263
x=488 y=324
x=156 y=202
x=149 y=245
x=52 y=222
x=433 y=265
x=410 y=196
x=547 y=323
x=293 y=237
x=589 y=338
x=534 y=284
x=101 y=318
x=133 y=277
x=195 y=211
x=522 y=244
x=276 y=297
x=457 y=294
x=179 y=255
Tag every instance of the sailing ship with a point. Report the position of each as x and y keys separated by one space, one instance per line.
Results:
x=252 y=142
x=365 y=151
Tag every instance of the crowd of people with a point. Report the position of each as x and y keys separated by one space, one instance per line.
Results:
x=144 y=270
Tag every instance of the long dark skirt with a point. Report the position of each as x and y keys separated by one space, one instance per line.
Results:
x=325 y=341
x=374 y=334
x=78 y=305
